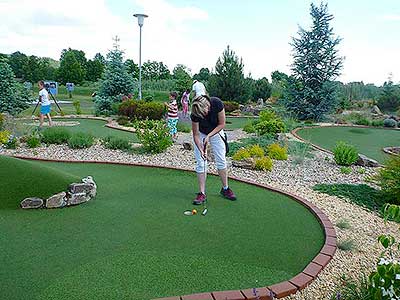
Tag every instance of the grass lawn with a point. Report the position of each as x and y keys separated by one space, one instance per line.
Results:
x=95 y=127
x=133 y=241
x=236 y=123
x=368 y=141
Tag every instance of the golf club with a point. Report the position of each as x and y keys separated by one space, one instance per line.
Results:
x=205 y=210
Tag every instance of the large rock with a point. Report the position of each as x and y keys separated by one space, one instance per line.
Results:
x=260 y=102
x=89 y=180
x=32 y=202
x=85 y=188
x=57 y=201
x=78 y=198
x=392 y=150
x=375 y=110
x=247 y=163
x=365 y=161
x=187 y=145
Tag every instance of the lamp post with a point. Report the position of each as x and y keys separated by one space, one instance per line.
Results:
x=140 y=18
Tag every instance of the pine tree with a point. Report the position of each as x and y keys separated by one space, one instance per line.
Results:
x=13 y=97
x=311 y=90
x=228 y=82
x=389 y=100
x=70 y=69
x=116 y=82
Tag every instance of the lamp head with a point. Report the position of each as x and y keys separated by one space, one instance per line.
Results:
x=140 y=18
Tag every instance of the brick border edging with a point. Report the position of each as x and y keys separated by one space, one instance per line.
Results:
x=278 y=290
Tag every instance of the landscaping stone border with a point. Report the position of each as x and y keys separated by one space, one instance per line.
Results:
x=278 y=290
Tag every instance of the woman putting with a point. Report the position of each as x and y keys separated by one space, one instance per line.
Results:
x=208 y=122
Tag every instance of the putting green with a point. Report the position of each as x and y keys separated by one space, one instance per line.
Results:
x=96 y=127
x=368 y=141
x=133 y=241
x=237 y=123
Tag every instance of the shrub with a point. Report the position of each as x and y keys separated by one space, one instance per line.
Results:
x=263 y=141
x=352 y=289
x=149 y=110
x=12 y=142
x=390 y=123
x=361 y=120
x=270 y=127
x=263 y=164
x=33 y=141
x=123 y=120
x=388 y=179
x=256 y=151
x=231 y=106
x=1 y=121
x=377 y=123
x=55 y=135
x=299 y=151
x=154 y=135
x=343 y=224
x=4 y=136
x=268 y=115
x=128 y=108
x=80 y=140
x=345 y=170
x=275 y=151
x=346 y=245
x=115 y=143
x=249 y=127
x=241 y=154
x=77 y=105
x=345 y=154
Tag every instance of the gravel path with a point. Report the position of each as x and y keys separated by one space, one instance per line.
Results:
x=298 y=179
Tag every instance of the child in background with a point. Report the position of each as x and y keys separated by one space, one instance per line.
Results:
x=172 y=119
x=45 y=106
x=185 y=103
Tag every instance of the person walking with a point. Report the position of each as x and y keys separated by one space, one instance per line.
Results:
x=185 y=103
x=45 y=106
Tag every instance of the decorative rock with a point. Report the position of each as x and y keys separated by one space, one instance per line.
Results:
x=78 y=198
x=57 y=201
x=33 y=202
x=260 y=102
x=83 y=188
x=247 y=163
x=187 y=145
x=365 y=161
x=392 y=150
x=375 y=110
x=89 y=180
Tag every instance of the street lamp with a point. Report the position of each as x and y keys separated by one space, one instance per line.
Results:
x=140 y=23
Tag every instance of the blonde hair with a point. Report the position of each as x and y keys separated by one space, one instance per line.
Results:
x=200 y=106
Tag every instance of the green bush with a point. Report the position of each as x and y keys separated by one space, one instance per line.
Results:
x=256 y=151
x=1 y=121
x=361 y=120
x=270 y=127
x=115 y=143
x=153 y=135
x=55 y=135
x=150 y=110
x=275 y=151
x=33 y=141
x=268 y=115
x=377 y=123
x=12 y=142
x=80 y=140
x=263 y=164
x=388 y=179
x=231 y=106
x=123 y=120
x=345 y=154
x=249 y=127
x=128 y=108
x=4 y=137
x=241 y=154
x=263 y=141
x=77 y=105
x=390 y=123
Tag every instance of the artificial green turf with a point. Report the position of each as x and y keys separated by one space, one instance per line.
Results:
x=236 y=123
x=95 y=127
x=133 y=241
x=368 y=141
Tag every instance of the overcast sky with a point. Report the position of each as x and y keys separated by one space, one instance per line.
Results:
x=195 y=33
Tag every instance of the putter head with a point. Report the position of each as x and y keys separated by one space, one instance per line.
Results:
x=204 y=212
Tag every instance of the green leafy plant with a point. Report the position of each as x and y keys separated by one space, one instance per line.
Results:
x=361 y=171
x=256 y=151
x=153 y=135
x=299 y=151
x=345 y=170
x=231 y=106
x=33 y=141
x=345 y=154
x=377 y=123
x=263 y=164
x=263 y=141
x=352 y=289
x=250 y=127
x=123 y=120
x=343 y=224
x=270 y=127
x=361 y=120
x=115 y=143
x=4 y=136
x=241 y=154
x=80 y=140
x=346 y=245
x=390 y=123
x=275 y=151
x=77 y=105
x=12 y=142
x=268 y=115
x=1 y=121
x=55 y=135
x=388 y=179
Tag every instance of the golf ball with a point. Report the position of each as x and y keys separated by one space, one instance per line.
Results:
x=194 y=211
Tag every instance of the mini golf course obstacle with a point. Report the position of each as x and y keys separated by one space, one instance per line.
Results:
x=76 y=194
x=392 y=150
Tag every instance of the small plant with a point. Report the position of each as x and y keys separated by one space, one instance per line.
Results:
x=249 y=127
x=241 y=154
x=115 y=143
x=351 y=289
x=270 y=127
x=80 y=140
x=377 y=123
x=343 y=224
x=345 y=154
x=231 y=106
x=4 y=136
x=123 y=120
x=1 y=121
x=263 y=164
x=361 y=120
x=256 y=151
x=77 y=105
x=12 y=142
x=153 y=135
x=390 y=123
x=388 y=179
x=275 y=151
x=361 y=171
x=268 y=115
x=55 y=135
x=345 y=170
x=299 y=151
x=33 y=141
x=346 y=245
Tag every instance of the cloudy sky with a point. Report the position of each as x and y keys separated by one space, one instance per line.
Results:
x=195 y=33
